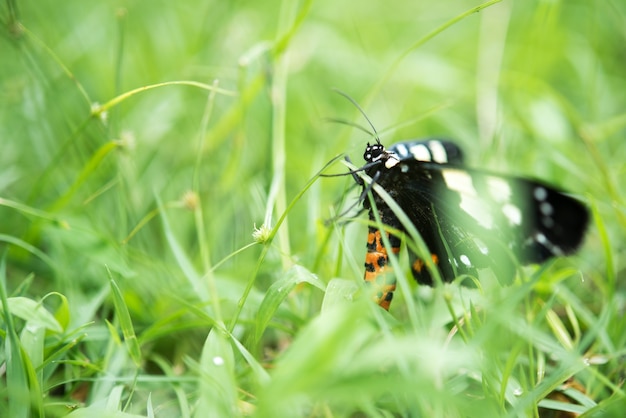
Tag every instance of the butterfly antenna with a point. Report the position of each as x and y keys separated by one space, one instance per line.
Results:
x=353 y=124
x=375 y=134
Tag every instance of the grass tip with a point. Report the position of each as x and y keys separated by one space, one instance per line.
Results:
x=126 y=141
x=191 y=200
x=63 y=224
x=262 y=234
x=98 y=111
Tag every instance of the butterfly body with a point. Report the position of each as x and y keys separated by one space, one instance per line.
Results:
x=468 y=219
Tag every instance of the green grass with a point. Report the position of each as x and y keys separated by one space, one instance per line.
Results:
x=163 y=243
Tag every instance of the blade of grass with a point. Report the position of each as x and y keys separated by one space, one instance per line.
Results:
x=277 y=293
x=180 y=255
x=218 y=396
x=16 y=374
x=395 y=64
x=90 y=167
x=33 y=312
x=30 y=248
x=126 y=324
x=32 y=345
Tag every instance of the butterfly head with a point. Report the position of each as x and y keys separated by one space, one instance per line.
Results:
x=377 y=153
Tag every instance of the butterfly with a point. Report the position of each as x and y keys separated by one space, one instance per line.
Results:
x=469 y=219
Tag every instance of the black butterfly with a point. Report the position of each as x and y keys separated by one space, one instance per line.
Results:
x=468 y=219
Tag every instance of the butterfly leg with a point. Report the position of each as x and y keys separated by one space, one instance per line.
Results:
x=377 y=271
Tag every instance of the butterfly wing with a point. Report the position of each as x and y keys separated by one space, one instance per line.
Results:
x=439 y=151
x=470 y=219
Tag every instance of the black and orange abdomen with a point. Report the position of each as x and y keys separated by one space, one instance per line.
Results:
x=378 y=272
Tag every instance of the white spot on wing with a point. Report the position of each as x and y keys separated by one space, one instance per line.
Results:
x=402 y=150
x=459 y=181
x=475 y=207
x=540 y=193
x=544 y=241
x=465 y=260
x=499 y=189
x=546 y=208
x=512 y=213
x=420 y=152
x=481 y=246
x=438 y=151
x=541 y=239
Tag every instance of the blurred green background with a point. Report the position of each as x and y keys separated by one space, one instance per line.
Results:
x=144 y=142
